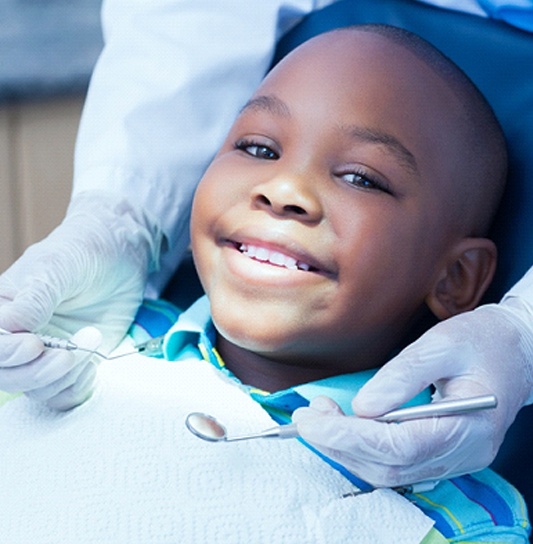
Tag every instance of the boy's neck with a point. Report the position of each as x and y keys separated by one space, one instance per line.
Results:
x=266 y=373
x=276 y=373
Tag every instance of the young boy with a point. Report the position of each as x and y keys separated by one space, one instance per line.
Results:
x=349 y=201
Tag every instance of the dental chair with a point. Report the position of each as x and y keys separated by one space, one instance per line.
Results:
x=499 y=59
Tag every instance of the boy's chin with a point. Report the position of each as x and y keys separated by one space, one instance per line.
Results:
x=262 y=341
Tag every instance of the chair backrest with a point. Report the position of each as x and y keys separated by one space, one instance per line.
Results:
x=499 y=59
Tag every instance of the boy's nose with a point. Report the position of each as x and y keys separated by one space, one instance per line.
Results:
x=288 y=197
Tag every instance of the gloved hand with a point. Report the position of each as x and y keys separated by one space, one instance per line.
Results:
x=489 y=350
x=91 y=270
x=63 y=379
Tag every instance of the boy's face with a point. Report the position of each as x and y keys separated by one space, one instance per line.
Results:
x=318 y=228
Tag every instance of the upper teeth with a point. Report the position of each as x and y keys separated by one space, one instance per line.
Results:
x=275 y=257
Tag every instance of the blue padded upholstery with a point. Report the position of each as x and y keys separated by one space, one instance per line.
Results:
x=499 y=59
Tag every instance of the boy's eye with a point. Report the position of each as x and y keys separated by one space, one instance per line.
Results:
x=364 y=181
x=258 y=150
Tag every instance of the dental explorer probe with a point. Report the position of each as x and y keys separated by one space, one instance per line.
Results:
x=152 y=347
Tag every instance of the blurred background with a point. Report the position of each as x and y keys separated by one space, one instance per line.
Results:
x=48 y=49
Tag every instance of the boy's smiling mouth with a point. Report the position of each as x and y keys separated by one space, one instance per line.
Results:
x=276 y=252
x=276 y=258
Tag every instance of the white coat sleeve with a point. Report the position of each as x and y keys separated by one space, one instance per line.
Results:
x=170 y=80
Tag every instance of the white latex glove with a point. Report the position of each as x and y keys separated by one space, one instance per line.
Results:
x=91 y=270
x=489 y=350
x=63 y=379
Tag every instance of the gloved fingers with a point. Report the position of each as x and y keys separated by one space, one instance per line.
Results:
x=319 y=406
x=77 y=386
x=463 y=387
x=19 y=349
x=89 y=338
x=63 y=382
x=40 y=372
x=390 y=454
x=78 y=378
x=30 y=306
x=77 y=393
x=68 y=391
x=27 y=374
x=114 y=316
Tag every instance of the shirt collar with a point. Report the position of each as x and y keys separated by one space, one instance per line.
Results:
x=186 y=331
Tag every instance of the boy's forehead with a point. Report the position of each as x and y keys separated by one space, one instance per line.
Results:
x=357 y=72
x=351 y=50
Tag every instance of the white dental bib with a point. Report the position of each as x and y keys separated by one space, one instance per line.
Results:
x=123 y=468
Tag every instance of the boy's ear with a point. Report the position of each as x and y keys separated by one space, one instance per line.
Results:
x=466 y=273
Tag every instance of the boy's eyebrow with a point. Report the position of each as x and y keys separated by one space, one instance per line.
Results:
x=276 y=106
x=393 y=144
x=270 y=103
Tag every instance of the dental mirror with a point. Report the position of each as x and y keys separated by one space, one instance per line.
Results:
x=206 y=427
